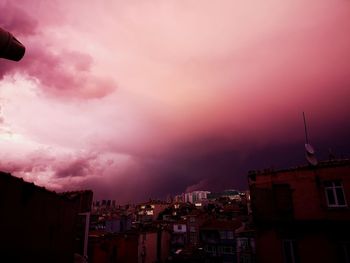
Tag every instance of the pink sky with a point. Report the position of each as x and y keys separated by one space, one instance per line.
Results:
x=139 y=98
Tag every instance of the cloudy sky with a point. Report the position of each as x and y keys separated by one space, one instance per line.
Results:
x=138 y=99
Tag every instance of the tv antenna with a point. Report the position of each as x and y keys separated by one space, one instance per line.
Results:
x=309 y=150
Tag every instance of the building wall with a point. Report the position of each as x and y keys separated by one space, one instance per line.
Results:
x=179 y=228
x=113 y=249
x=113 y=225
x=245 y=246
x=269 y=247
x=165 y=245
x=147 y=248
x=133 y=247
x=291 y=206
x=194 y=223
x=157 y=209
x=195 y=196
x=309 y=200
x=315 y=247
x=36 y=225
x=219 y=241
x=150 y=211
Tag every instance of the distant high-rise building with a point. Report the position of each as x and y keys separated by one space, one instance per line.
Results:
x=196 y=196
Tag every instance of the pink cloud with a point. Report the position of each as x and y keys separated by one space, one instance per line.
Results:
x=205 y=92
x=60 y=71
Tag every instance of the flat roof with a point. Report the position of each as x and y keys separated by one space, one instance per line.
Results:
x=320 y=165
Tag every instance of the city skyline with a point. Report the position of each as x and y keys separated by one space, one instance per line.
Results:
x=137 y=100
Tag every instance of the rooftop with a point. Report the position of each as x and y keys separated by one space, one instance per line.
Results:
x=215 y=224
x=321 y=164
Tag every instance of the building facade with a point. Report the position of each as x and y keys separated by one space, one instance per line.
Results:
x=302 y=214
x=219 y=241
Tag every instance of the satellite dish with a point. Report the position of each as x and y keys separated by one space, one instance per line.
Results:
x=311 y=159
x=309 y=149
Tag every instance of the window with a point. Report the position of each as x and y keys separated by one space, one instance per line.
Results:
x=243 y=243
x=283 y=199
x=345 y=252
x=211 y=249
x=222 y=234
x=228 y=250
x=289 y=251
x=149 y=212
x=245 y=259
x=229 y=234
x=335 y=194
x=193 y=238
x=226 y=234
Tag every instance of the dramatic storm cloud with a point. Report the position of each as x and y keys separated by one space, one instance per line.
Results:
x=139 y=99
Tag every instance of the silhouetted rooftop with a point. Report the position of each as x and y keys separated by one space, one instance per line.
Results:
x=215 y=224
x=321 y=164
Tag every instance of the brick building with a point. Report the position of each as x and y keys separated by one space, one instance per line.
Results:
x=150 y=211
x=136 y=246
x=302 y=214
x=194 y=221
x=219 y=241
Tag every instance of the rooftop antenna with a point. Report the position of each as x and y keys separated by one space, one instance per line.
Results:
x=309 y=150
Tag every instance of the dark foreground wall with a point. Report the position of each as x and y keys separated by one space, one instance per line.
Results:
x=36 y=225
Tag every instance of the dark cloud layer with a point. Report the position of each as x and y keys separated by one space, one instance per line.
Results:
x=216 y=169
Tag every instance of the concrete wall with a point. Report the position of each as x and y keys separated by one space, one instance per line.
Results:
x=36 y=225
